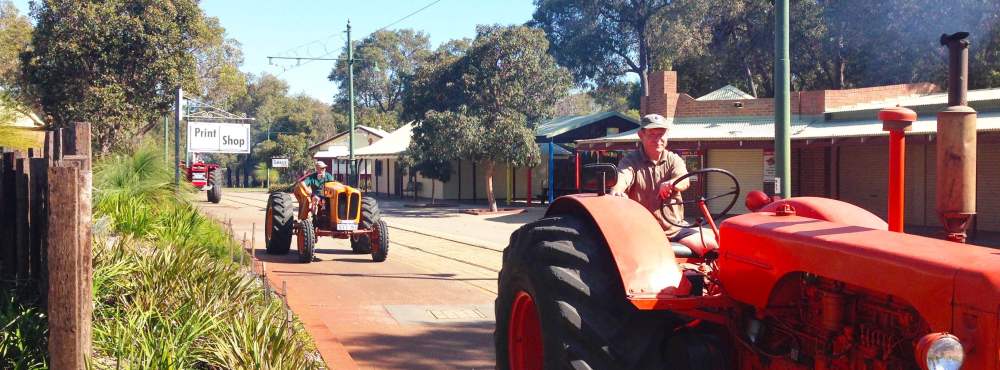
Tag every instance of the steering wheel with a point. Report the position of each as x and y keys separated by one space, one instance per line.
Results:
x=702 y=202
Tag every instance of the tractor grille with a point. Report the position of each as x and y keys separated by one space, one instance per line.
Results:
x=355 y=203
x=342 y=206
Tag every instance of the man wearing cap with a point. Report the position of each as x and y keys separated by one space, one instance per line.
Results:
x=647 y=175
x=315 y=182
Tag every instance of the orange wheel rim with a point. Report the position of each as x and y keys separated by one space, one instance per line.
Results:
x=524 y=336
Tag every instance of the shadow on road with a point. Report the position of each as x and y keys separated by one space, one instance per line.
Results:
x=518 y=218
x=439 y=346
x=450 y=277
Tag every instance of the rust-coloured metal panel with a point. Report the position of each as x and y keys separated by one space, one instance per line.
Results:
x=760 y=248
x=641 y=251
x=830 y=210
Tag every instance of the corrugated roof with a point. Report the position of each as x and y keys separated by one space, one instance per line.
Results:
x=756 y=128
x=915 y=101
x=374 y=131
x=391 y=146
x=728 y=92
x=563 y=124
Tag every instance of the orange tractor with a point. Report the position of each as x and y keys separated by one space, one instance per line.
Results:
x=798 y=283
x=341 y=212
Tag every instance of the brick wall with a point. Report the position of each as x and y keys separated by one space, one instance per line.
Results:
x=664 y=99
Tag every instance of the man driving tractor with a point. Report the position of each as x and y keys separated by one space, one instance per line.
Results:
x=315 y=182
x=647 y=176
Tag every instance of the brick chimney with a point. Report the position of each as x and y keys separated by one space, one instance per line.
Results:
x=662 y=98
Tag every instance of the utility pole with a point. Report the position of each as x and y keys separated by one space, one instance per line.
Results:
x=351 y=170
x=782 y=103
x=178 y=116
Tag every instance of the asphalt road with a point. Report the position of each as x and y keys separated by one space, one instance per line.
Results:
x=429 y=306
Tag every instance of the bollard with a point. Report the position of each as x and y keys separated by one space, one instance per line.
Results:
x=897 y=121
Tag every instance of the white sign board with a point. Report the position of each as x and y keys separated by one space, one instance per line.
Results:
x=214 y=137
x=279 y=162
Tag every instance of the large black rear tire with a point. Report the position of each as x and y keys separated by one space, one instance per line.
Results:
x=278 y=223
x=215 y=193
x=370 y=216
x=586 y=320
x=307 y=241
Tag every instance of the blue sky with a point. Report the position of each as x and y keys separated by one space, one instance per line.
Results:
x=273 y=27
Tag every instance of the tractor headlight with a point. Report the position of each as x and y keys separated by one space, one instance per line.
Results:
x=940 y=351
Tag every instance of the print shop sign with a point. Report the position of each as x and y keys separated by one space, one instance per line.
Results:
x=213 y=137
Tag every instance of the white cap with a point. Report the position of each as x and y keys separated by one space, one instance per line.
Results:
x=320 y=164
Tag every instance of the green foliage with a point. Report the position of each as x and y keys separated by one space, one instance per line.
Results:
x=387 y=59
x=488 y=94
x=166 y=292
x=113 y=63
x=713 y=43
x=15 y=36
x=294 y=147
x=600 y=40
x=23 y=333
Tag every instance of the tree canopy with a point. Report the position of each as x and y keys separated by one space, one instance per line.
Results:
x=15 y=36
x=114 y=63
x=386 y=59
x=490 y=95
x=834 y=44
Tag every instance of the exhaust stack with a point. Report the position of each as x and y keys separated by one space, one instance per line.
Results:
x=956 y=145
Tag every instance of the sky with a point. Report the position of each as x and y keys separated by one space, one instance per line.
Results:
x=278 y=28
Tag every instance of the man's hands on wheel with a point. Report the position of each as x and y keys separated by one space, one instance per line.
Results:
x=667 y=189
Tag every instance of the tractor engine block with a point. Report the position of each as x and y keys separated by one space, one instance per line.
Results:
x=817 y=323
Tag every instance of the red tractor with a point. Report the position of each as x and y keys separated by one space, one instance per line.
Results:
x=205 y=176
x=800 y=283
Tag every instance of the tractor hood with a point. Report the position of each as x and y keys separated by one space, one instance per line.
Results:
x=940 y=279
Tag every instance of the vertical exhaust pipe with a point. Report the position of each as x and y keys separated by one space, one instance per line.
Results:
x=956 y=145
x=897 y=121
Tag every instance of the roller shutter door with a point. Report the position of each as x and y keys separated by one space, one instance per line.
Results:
x=987 y=178
x=746 y=164
x=864 y=177
x=812 y=173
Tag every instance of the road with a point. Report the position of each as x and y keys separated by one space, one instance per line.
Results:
x=429 y=306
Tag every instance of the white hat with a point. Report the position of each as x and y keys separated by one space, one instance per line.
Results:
x=320 y=164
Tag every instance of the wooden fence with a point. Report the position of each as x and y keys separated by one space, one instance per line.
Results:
x=45 y=236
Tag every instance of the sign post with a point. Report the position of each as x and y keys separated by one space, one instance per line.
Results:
x=279 y=162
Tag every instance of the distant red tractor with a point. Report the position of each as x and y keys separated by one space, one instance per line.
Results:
x=205 y=176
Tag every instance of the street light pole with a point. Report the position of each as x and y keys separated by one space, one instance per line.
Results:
x=350 y=90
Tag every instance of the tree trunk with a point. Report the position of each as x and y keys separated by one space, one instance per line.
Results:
x=488 y=167
x=433 y=190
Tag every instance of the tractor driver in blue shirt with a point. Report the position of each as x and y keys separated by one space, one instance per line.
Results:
x=315 y=182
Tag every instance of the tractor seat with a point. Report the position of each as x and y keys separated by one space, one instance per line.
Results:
x=682 y=251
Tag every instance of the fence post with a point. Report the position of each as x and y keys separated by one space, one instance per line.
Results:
x=39 y=226
x=22 y=219
x=8 y=251
x=65 y=326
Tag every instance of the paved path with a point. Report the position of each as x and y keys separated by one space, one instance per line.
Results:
x=430 y=305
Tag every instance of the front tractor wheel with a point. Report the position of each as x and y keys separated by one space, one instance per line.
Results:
x=379 y=241
x=278 y=223
x=370 y=216
x=306 y=238
x=561 y=304
x=215 y=193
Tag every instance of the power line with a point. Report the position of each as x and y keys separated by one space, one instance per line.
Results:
x=311 y=59
x=408 y=15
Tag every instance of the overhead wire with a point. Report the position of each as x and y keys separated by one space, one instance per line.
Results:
x=307 y=61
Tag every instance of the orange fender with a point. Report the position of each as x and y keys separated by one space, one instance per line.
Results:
x=648 y=269
x=304 y=195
